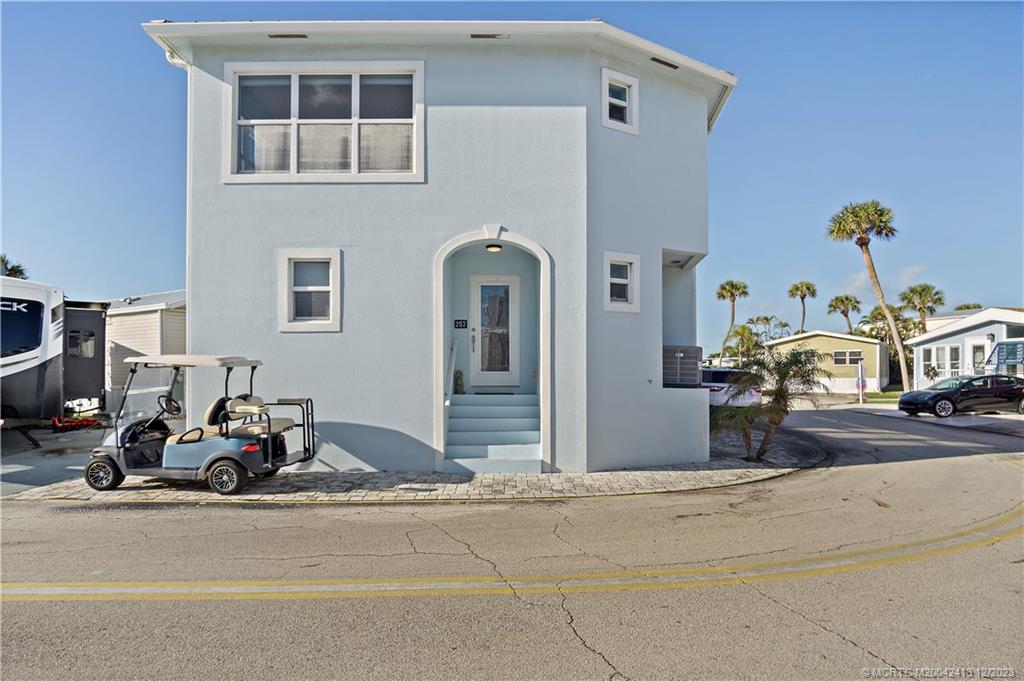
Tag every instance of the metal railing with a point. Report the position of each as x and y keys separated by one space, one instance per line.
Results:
x=680 y=366
x=449 y=383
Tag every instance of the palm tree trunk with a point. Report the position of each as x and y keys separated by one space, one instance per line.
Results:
x=732 y=320
x=803 y=313
x=922 y=320
x=889 y=319
x=766 y=441
x=849 y=324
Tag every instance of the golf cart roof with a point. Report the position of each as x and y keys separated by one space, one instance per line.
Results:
x=193 y=361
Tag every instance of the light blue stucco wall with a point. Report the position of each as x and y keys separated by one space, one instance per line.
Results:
x=509 y=140
x=505 y=143
x=646 y=193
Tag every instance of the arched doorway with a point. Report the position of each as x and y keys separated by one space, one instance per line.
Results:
x=495 y=357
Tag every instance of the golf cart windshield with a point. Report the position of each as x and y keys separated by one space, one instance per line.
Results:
x=947 y=384
x=147 y=386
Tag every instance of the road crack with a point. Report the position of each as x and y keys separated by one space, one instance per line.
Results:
x=821 y=626
x=570 y=619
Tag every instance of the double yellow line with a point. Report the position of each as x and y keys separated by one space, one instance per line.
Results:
x=1001 y=528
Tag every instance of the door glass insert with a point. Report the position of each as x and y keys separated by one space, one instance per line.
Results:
x=494 y=328
x=978 y=358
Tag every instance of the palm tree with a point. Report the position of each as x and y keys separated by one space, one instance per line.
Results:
x=788 y=376
x=844 y=304
x=859 y=222
x=731 y=290
x=11 y=269
x=803 y=290
x=967 y=306
x=924 y=298
x=768 y=327
x=747 y=342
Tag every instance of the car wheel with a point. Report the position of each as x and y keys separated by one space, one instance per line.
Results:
x=227 y=477
x=944 y=408
x=103 y=474
x=911 y=412
x=1020 y=406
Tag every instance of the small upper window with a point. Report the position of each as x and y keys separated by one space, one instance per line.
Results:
x=81 y=344
x=846 y=357
x=621 y=282
x=310 y=298
x=621 y=97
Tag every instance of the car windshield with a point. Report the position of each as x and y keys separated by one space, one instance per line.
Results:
x=947 y=384
x=147 y=386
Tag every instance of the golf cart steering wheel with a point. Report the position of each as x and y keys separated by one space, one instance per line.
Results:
x=169 y=405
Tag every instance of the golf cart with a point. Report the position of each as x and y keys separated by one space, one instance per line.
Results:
x=238 y=437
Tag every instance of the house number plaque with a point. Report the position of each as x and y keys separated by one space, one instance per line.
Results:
x=461 y=324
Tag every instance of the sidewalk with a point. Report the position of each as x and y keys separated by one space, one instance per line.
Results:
x=788 y=453
x=1000 y=424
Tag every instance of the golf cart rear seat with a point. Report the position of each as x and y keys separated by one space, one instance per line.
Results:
x=222 y=409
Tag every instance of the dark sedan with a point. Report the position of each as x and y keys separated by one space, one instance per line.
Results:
x=966 y=393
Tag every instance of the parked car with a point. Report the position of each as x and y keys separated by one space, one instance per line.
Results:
x=966 y=393
x=721 y=388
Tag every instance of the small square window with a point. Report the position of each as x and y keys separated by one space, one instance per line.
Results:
x=621 y=285
x=621 y=101
x=310 y=290
x=839 y=358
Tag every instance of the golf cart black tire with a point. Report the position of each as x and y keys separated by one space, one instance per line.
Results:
x=935 y=409
x=115 y=479
x=269 y=474
x=225 y=468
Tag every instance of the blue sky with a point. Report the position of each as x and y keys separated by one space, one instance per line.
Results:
x=916 y=104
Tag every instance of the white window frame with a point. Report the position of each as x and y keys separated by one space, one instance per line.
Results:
x=632 y=283
x=847 y=359
x=285 y=299
x=232 y=70
x=632 y=124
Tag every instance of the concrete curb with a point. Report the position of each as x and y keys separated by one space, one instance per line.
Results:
x=932 y=422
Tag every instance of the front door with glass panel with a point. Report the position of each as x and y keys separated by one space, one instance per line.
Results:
x=494 y=330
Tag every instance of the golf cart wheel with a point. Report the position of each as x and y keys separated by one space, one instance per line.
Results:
x=103 y=474
x=944 y=408
x=227 y=477
x=268 y=474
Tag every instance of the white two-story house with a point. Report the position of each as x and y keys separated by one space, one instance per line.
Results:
x=473 y=244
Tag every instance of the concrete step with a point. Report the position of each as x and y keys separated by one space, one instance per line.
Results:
x=488 y=465
x=478 y=424
x=459 y=411
x=494 y=437
x=492 y=451
x=495 y=400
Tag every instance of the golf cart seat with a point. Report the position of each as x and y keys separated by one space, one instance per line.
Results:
x=250 y=406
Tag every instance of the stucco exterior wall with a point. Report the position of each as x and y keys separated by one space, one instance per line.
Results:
x=645 y=193
x=505 y=143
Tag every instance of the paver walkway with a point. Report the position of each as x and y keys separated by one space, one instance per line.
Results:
x=726 y=467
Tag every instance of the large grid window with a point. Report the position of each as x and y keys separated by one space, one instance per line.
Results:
x=349 y=124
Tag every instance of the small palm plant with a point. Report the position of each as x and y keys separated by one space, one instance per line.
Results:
x=845 y=304
x=787 y=376
x=803 y=290
x=731 y=290
x=924 y=298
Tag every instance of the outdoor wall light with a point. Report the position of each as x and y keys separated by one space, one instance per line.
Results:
x=493 y=248
x=989 y=337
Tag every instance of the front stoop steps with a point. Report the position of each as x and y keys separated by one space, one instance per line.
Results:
x=493 y=434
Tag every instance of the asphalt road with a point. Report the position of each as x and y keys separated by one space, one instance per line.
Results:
x=907 y=554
